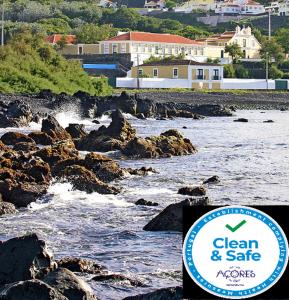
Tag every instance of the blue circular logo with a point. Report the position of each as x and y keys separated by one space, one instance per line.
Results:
x=235 y=252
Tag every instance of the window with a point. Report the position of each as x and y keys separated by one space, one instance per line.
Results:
x=140 y=72
x=244 y=42
x=106 y=48
x=150 y=49
x=155 y=73
x=123 y=48
x=216 y=74
x=175 y=73
x=200 y=74
x=157 y=49
x=170 y=51
x=80 y=50
x=114 y=48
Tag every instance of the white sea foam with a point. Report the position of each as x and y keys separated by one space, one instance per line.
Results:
x=63 y=194
x=65 y=118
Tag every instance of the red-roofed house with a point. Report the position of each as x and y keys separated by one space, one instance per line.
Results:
x=143 y=45
x=55 y=38
x=240 y=7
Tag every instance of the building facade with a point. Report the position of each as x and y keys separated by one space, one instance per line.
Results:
x=181 y=73
x=215 y=45
x=240 y=7
x=143 y=45
x=189 y=6
x=284 y=8
x=154 y=4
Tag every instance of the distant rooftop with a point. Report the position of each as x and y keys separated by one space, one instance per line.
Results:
x=55 y=38
x=152 y=37
x=177 y=62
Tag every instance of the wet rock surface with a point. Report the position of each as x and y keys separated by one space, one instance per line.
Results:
x=146 y=203
x=242 y=120
x=7 y=208
x=172 y=293
x=193 y=191
x=171 y=218
x=169 y=143
x=212 y=180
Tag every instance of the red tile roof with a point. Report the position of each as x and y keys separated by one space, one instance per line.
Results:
x=152 y=37
x=55 y=38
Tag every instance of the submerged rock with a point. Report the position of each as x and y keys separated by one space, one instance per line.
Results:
x=169 y=143
x=117 y=278
x=212 y=180
x=171 y=218
x=69 y=285
x=146 y=203
x=193 y=191
x=24 y=258
x=268 y=121
x=171 y=293
x=212 y=110
x=81 y=265
x=30 y=290
x=242 y=120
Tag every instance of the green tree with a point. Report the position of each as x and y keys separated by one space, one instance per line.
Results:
x=91 y=34
x=282 y=37
x=229 y=71
x=275 y=73
x=170 y=4
x=235 y=51
x=191 y=32
x=272 y=50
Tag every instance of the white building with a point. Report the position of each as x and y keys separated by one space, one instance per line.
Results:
x=143 y=45
x=154 y=4
x=240 y=7
x=284 y=8
x=107 y=4
x=191 y=5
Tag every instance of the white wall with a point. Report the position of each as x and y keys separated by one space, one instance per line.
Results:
x=157 y=83
x=247 y=84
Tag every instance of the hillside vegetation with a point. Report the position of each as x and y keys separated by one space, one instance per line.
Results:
x=27 y=65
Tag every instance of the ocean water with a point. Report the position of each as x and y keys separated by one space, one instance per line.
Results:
x=252 y=160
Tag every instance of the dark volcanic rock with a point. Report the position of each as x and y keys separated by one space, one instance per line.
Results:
x=68 y=284
x=24 y=258
x=85 y=180
x=76 y=130
x=146 y=203
x=193 y=191
x=242 y=120
x=30 y=290
x=113 y=137
x=12 y=138
x=212 y=110
x=51 y=126
x=80 y=265
x=212 y=180
x=169 y=143
x=21 y=194
x=268 y=121
x=117 y=278
x=7 y=208
x=171 y=293
x=41 y=138
x=26 y=147
x=171 y=218
x=15 y=114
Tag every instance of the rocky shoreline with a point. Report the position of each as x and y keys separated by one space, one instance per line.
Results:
x=30 y=162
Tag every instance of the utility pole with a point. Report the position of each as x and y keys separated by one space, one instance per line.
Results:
x=267 y=70
x=138 y=81
x=269 y=25
x=2 y=23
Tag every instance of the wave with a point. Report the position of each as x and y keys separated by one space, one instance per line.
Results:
x=62 y=194
x=65 y=118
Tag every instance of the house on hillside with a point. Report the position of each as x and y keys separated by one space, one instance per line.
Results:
x=143 y=45
x=240 y=7
x=284 y=8
x=174 y=74
x=189 y=6
x=154 y=4
x=214 y=46
x=56 y=38
x=106 y=4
